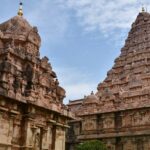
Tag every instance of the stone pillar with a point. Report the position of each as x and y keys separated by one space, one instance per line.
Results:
x=6 y=130
x=27 y=134
x=60 y=138
x=47 y=138
x=11 y=129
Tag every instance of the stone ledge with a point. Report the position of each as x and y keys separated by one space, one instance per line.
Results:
x=113 y=135
x=15 y=145
x=62 y=125
x=51 y=121
x=14 y=112
x=26 y=147
x=7 y=110
x=3 y=109
x=5 y=144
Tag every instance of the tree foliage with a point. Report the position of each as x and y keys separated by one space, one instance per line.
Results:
x=91 y=145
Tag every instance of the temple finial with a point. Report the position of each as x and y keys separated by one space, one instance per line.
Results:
x=92 y=93
x=20 y=11
x=143 y=9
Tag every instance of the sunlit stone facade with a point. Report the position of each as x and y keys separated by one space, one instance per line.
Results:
x=119 y=113
x=32 y=114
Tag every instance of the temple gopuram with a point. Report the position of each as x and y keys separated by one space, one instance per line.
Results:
x=119 y=112
x=32 y=113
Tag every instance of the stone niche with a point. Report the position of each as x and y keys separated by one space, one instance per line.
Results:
x=76 y=128
x=108 y=121
x=136 y=118
x=89 y=124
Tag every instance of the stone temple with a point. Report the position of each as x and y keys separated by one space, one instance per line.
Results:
x=32 y=113
x=119 y=112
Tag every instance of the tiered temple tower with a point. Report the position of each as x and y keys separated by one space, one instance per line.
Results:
x=32 y=114
x=119 y=113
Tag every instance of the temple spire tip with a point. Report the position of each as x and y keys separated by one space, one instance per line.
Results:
x=20 y=11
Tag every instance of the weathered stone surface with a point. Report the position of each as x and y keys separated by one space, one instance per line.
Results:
x=32 y=113
x=119 y=112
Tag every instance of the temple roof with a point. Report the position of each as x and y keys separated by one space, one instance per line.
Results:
x=24 y=76
x=84 y=106
x=14 y=23
x=127 y=85
x=19 y=28
x=91 y=99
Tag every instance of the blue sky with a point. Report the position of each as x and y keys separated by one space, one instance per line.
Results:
x=80 y=37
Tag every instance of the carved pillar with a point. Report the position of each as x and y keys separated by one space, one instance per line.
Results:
x=60 y=138
x=6 y=130
x=16 y=134
x=27 y=134
x=47 y=137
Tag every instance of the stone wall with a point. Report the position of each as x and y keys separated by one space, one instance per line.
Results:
x=32 y=113
x=119 y=112
x=28 y=127
x=125 y=130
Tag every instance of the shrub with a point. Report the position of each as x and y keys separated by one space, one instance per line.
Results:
x=91 y=145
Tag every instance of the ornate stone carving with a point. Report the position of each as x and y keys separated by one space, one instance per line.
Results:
x=30 y=94
x=89 y=125
x=123 y=104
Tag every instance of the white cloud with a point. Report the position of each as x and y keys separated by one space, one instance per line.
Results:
x=75 y=82
x=77 y=91
x=96 y=15
x=93 y=15
x=105 y=16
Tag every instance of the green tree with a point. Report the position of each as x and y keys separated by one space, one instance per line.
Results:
x=91 y=145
